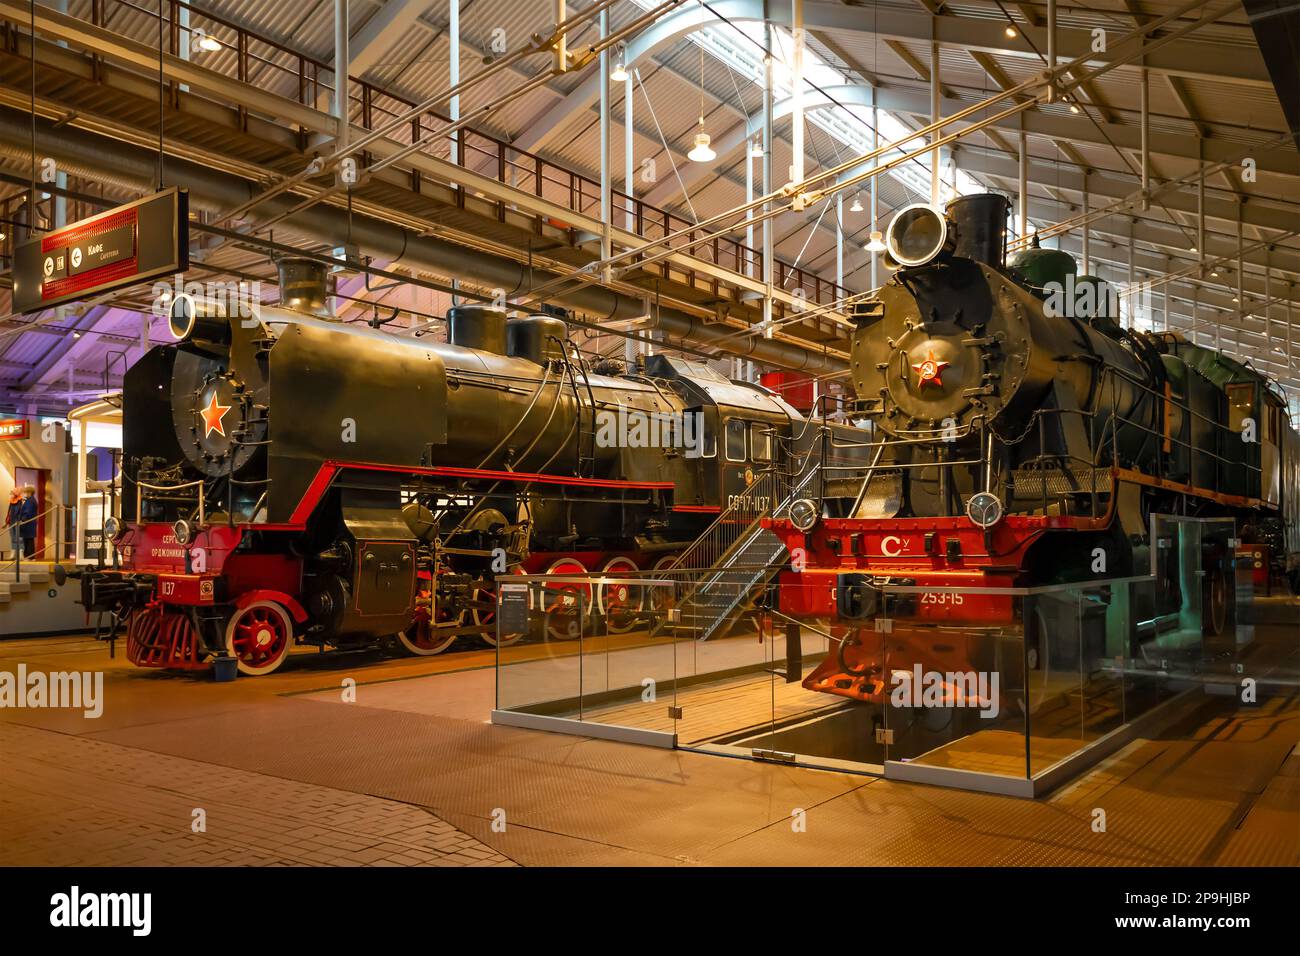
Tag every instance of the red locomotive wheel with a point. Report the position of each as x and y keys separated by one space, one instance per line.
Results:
x=424 y=637
x=258 y=637
x=660 y=597
x=619 y=602
x=486 y=618
x=565 y=603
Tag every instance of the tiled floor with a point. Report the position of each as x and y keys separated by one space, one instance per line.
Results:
x=411 y=773
x=76 y=801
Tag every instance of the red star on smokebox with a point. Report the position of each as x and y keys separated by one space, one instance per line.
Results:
x=929 y=369
x=212 y=416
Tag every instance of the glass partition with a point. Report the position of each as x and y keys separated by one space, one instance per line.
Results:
x=957 y=689
x=598 y=649
x=1001 y=689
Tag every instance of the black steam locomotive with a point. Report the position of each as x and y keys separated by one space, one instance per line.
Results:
x=1022 y=437
x=288 y=478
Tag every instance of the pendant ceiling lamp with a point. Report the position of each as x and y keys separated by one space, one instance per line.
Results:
x=619 y=73
x=701 y=152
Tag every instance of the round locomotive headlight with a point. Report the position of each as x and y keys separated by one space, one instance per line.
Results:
x=182 y=316
x=804 y=514
x=984 y=509
x=112 y=528
x=917 y=235
x=183 y=531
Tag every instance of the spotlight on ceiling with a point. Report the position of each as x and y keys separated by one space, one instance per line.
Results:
x=209 y=44
x=857 y=204
x=877 y=243
x=619 y=73
x=1011 y=31
x=701 y=152
x=755 y=149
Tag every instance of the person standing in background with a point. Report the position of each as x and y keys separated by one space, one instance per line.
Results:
x=27 y=521
x=11 y=520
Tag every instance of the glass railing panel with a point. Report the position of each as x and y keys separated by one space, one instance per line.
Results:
x=628 y=673
x=955 y=680
x=538 y=668
x=724 y=661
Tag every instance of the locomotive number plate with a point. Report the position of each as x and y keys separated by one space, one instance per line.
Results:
x=942 y=597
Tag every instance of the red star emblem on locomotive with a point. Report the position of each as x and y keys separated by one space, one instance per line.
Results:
x=212 y=416
x=928 y=371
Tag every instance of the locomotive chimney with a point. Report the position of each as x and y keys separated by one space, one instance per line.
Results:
x=980 y=221
x=304 y=286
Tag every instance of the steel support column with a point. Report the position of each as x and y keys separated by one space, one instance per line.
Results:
x=1087 y=258
x=1023 y=187
x=1146 y=139
x=340 y=106
x=1051 y=48
x=1132 y=286
x=934 y=118
x=629 y=133
x=606 y=206
x=796 y=82
x=839 y=239
x=453 y=66
x=875 y=204
x=767 y=181
x=1200 y=208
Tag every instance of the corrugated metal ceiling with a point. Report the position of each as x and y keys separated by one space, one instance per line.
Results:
x=416 y=66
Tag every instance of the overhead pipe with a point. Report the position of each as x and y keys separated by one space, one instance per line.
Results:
x=134 y=168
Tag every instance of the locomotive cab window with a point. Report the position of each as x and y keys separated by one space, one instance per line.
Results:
x=760 y=441
x=1241 y=405
x=706 y=440
x=735 y=439
x=1272 y=423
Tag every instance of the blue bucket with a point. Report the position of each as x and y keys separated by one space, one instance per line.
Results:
x=224 y=668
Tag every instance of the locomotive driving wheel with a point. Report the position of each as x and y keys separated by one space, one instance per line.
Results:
x=619 y=602
x=659 y=597
x=485 y=617
x=565 y=603
x=430 y=634
x=258 y=637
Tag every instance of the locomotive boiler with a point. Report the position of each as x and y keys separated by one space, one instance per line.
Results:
x=289 y=478
x=1022 y=437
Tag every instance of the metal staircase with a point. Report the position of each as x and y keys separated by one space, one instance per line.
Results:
x=734 y=556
